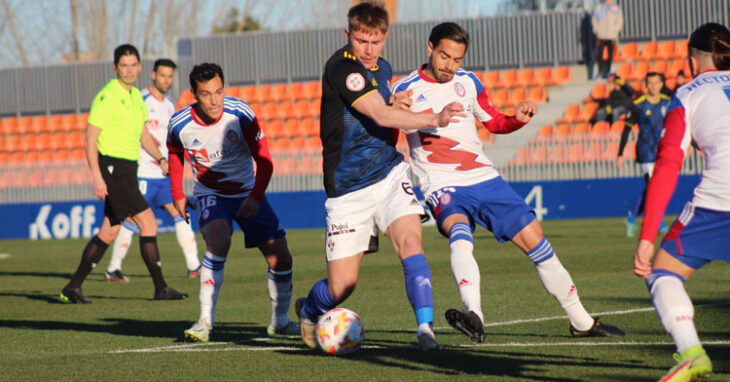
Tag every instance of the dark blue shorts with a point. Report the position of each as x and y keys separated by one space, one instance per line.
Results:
x=493 y=204
x=156 y=191
x=263 y=227
x=699 y=236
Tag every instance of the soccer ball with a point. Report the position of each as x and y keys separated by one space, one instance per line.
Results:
x=340 y=331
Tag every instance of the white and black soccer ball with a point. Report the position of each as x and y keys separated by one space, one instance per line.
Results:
x=340 y=331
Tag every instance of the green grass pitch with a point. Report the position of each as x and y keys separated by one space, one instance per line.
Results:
x=126 y=336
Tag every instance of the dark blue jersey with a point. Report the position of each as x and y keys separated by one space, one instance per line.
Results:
x=650 y=118
x=357 y=152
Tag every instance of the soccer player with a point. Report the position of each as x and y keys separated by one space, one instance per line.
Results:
x=223 y=139
x=153 y=183
x=648 y=112
x=463 y=189
x=365 y=178
x=113 y=135
x=699 y=112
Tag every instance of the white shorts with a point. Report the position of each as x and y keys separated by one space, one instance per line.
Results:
x=354 y=217
x=647 y=168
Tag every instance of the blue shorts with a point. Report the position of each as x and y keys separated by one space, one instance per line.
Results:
x=699 y=236
x=156 y=191
x=493 y=204
x=263 y=227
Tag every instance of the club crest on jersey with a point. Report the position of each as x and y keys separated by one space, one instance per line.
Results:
x=355 y=82
x=459 y=89
x=232 y=137
x=445 y=199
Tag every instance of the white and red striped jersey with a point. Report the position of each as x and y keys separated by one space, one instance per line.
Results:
x=222 y=153
x=159 y=112
x=451 y=155
x=699 y=112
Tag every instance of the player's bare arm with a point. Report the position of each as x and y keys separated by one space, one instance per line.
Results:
x=92 y=157
x=149 y=144
x=373 y=106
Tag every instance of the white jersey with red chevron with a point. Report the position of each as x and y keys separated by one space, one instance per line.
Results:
x=220 y=154
x=159 y=112
x=451 y=155
x=706 y=105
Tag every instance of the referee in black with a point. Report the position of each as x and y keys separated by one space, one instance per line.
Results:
x=113 y=135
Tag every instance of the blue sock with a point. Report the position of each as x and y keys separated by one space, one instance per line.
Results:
x=418 y=287
x=542 y=251
x=460 y=231
x=319 y=300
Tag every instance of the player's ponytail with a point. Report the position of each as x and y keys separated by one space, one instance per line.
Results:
x=714 y=39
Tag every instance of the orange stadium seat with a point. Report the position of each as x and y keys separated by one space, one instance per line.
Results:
x=598 y=92
x=301 y=108
x=681 y=50
x=629 y=51
x=666 y=49
x=26 y=124
x=545 y=133
x=27 y=142
x=314 y=107
x=279 y=93
x=544 y=76
x=265 y=93
x=295 y=90
x=624 y=70
x=46 y=155
x=10 y=124
x=233 y=91
x=677 y=66
x=509 y=111
x=269 y=110
x=571 y=112
x=518 y=95
x=581 y=130
x=510 y=78
x=12 y=143
x=291 y=127
x=659 y=67
x=274 y=128
x=649 y=51
x=537 y=95
x=562 y=74
x=617 y=128
x=186 y=98
x=313 y=90
x=640 y=70
x=564 y=132
x=42 y=142
x=248 y=94
x=68 y=121
x=78 y=153
x=599 y=130
x=62 y=155
x=493 y=80
x=284 y=110
x=638 y=86
x=54 y=123
x=527 y=77
x=587 y=112
x=77 y=140
x=81 y=121
x=310 y=126
x=312 y=142
x=256 y=108
x=501 y=98
x=671 y=83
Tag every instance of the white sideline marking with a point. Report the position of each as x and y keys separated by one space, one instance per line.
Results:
x=206 y=346
x=4 y=256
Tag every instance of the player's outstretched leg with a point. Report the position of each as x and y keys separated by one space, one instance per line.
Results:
x=151 y=256
x=186 y=239
x=280 y=295
x=466 y=275
x=211 y=280
x=310 y=308
x=676 y=312
x=557 y=281
x=120 y=248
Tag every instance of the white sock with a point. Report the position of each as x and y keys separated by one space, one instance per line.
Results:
x=675 y=310
x=211 y=279
x=280 y=294
x=466 y=275
x=186 y=239
x=120 y=249
x=556 y=280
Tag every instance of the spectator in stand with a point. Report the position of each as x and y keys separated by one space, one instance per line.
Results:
x=619 y=101
x=607 y=23
x=588 y=42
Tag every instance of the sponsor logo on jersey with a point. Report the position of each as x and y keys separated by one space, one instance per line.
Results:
x=196 y=142
x=421 y=98
x=339 y=229
x=459 y=89
x=355 y=82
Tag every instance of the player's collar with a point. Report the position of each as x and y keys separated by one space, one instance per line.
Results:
x=424 y=76
x=149 y=90
x=349 y=55
x=199 y=121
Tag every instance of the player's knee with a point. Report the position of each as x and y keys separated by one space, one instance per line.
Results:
x=409 y=245
x=277 y=254
x=109 y=234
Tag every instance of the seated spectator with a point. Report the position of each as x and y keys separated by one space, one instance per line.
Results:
x=619 y=101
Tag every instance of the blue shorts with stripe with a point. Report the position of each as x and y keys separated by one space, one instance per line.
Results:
x=699 y=236
x=262 y=227
x=493 y=204
x=156 y=191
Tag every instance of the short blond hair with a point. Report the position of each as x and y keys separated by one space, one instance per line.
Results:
x=368 y=16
